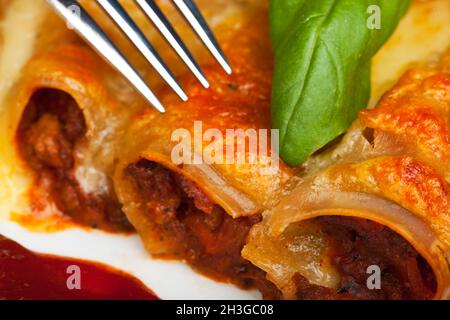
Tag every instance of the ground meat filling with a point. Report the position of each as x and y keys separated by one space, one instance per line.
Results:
x=51 y=125
x=212 y=241
x=359 y=243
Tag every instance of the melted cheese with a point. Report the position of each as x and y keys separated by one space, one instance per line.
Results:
x=19 y=29
x=422 y=36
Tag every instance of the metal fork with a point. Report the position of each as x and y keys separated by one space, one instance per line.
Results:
x=85 y=25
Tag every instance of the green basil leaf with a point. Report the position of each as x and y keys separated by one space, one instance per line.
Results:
x=323 y=50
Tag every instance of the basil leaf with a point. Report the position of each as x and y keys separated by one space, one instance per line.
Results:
x=323 y=50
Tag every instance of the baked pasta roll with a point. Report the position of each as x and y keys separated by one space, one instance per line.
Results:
x=183 y=197
x=380 y=198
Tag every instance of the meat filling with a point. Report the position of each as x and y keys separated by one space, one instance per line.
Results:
x=212 y=241
x=51 y=125
x=358 y=244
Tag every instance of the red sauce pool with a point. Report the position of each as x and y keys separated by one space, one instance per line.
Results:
x=26 y=275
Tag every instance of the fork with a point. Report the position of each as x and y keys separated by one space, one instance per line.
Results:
x=85 y=25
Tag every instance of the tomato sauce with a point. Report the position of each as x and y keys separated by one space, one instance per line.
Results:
x=26 y=275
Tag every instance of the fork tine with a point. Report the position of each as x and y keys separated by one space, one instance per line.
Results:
x=132 y=31
x=199 y=24
x=88 y=29
x=153 y=12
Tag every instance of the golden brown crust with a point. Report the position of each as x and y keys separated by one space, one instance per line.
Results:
x=417 y=110
x=239 y=101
